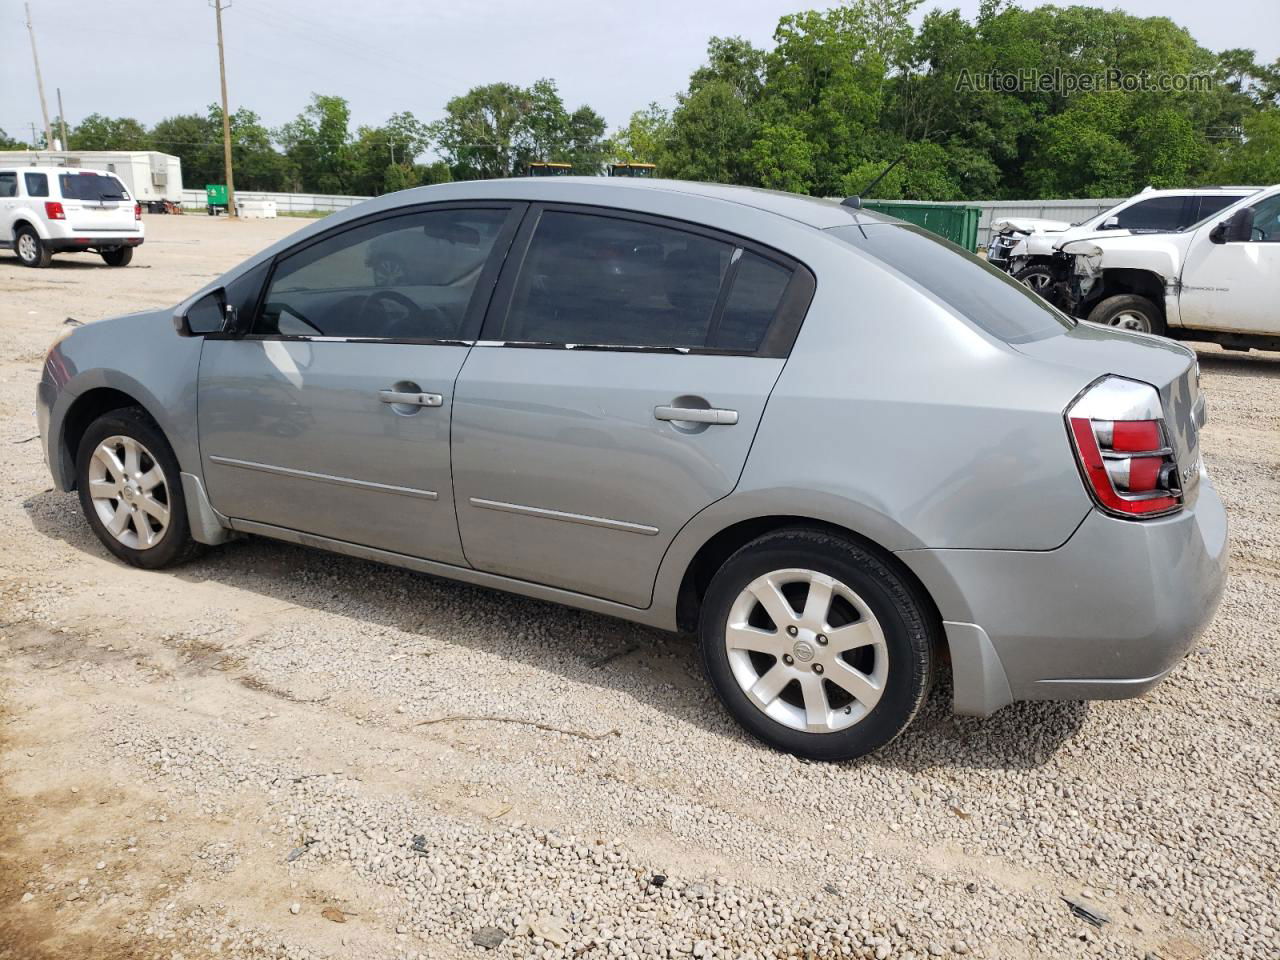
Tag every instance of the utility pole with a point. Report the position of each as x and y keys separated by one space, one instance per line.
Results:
x=218 y=7
x=62 y=118
x=35 y=57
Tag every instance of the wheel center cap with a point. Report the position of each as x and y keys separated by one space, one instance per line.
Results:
x=803 y=651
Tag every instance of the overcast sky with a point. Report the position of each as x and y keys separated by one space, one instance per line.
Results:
x=153 y=58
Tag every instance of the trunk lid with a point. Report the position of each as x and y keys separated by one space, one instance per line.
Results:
x=96 y=203
x=1169 y=367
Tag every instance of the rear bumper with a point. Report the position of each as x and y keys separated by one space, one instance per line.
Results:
x=1105 y=616
x=93 y=242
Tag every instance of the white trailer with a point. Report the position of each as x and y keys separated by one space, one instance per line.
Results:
x=153 y=179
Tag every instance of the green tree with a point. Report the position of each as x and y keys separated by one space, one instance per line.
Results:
x=1255 y=157
x=384 y=158
x=645 y=137
x=8 y=143
x=318 y=145
x=96 y=132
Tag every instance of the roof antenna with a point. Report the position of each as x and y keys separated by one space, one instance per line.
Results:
x=856 y=200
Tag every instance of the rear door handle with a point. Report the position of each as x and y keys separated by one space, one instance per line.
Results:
x=411 y=399
x=696 y=415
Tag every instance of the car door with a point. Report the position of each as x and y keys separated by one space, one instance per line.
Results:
x=1235 y=286
x=614 y=393
x=8 y=205
x=332 y=415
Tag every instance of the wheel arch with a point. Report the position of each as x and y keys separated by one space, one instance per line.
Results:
x=716 y=549
x=82 y=410
x=1132 y=281
x=24 y=220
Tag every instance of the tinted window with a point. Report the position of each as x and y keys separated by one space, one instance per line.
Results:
x=37 y=184
x=758 y=285
x=91 y=186
x=988 y=297
x=8 y=184
x=1211 y=205
x=1266 y=221
x=602 y=280
x=1158 y=213
x=403 y=278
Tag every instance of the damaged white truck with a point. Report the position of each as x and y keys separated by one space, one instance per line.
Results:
x=1218 y=281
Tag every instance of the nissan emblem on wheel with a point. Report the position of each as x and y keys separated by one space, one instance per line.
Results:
x=838 y=450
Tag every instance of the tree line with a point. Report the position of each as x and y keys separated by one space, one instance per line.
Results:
x=840 y=96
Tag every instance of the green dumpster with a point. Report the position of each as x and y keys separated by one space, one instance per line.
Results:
x=215 y=197
x=957 y=223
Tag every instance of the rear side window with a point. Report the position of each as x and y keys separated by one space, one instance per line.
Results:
x=989 y=298
x=90 y=186
x=1157 y=214
x=37 y=184
x=401 y=278
x=8 y=184
x=1211 y=205
x=608 y=281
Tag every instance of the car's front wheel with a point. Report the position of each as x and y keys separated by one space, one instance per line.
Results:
x=131 y=491
x=816 y=644
x=1129 y=312
x=119 y=257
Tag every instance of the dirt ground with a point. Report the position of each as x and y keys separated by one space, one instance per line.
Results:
x=230 y=759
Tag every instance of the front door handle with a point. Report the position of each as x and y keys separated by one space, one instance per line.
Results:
x=411 y=399
x=696 y=415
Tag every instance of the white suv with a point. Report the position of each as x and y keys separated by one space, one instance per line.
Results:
x=48 y=210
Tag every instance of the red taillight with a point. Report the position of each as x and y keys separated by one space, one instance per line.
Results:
x=53 y=210
x=1119 y=437
x=137 y=211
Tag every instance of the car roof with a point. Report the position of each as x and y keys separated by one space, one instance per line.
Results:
x=812 y=211
x=1192 y=192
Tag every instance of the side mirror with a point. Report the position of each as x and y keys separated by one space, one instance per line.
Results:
x=1110 y=223
x=210 y=314
x=1238 y=228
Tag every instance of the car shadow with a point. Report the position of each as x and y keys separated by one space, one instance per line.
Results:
x=1252 y=363
x=582 y=647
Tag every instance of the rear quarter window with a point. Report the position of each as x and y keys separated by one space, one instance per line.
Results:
x=37 y=184
x=989 y=298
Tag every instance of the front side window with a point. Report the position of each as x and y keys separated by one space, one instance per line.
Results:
x=8 y=184
x=1156 y=214
x=37 y=184
x=93 y=187
x=1266 y=221
x=402 y=278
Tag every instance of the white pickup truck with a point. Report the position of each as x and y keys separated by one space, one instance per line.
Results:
x=1217 y=281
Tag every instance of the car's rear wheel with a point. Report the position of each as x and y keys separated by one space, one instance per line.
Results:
x=131 y=491
x=1129 y=312
x=31 y=250
x=816 y=644
x=119 y=257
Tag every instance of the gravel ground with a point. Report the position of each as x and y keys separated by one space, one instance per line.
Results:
x=259 y=755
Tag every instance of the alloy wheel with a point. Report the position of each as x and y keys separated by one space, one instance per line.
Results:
x=129 y=492
x=1038 y=280
x=806 y=650
x=27 y=247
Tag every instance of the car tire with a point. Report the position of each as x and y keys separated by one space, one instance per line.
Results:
x=124 y=452
x=868 y=628
x=1129 y=311
x=1037 y=277
x=31 y=250
x=119 y=257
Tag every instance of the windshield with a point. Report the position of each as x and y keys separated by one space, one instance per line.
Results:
x=987 y=297
x=91 y=186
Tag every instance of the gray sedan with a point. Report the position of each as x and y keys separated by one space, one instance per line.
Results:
x=839 y=449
